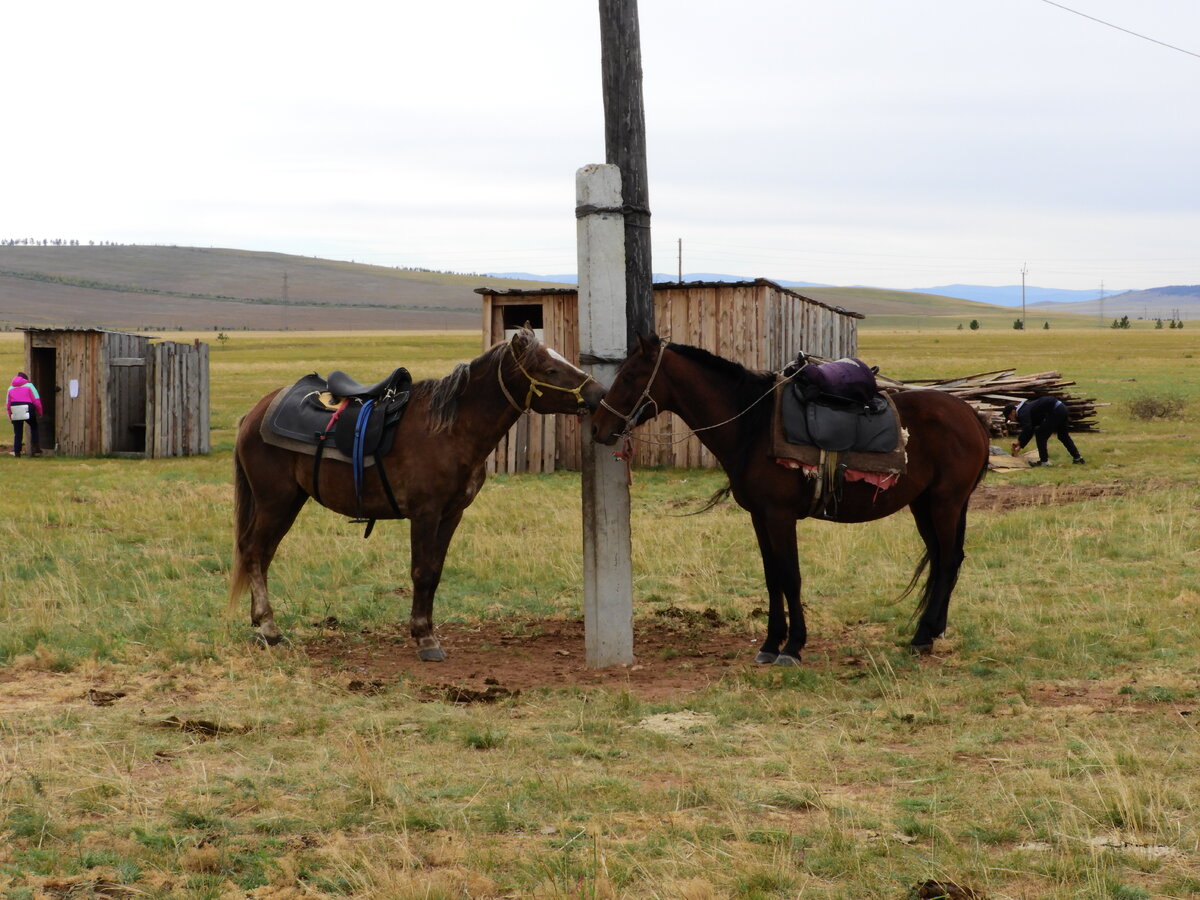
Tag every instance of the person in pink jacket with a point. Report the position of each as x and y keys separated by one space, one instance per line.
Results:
x=24 y=405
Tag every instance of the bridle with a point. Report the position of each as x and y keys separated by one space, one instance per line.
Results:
x=535 y=385
x=644 y=399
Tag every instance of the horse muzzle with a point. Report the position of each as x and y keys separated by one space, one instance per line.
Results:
x=589 y=399
x=608 y=437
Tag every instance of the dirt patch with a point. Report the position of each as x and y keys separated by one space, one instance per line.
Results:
x=997 y=496
x=489 y=661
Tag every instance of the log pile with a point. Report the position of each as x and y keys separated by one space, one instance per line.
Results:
x=990 y=392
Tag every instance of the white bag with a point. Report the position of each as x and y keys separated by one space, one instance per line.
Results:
x=20 y=412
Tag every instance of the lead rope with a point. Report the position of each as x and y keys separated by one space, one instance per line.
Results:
x=661 y=441
x=626 y=453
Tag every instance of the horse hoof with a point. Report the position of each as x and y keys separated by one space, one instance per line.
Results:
x=786 y=659
x=267 y=640
x=764 y=658
x=431 y=654
x=921 y=649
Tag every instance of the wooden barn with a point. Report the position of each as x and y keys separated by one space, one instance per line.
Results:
x=110 y=393
x=757 y=323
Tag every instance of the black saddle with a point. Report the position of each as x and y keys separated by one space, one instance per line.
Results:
x=341 y=385
x=360 y=421
x=305 y=414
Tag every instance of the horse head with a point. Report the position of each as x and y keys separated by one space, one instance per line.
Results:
x=630 y=402
x=543 y=380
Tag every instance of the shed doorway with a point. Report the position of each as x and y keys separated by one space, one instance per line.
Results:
x=517 y=315
x=42 y=369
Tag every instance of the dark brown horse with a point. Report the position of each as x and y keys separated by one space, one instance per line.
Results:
x=730 y=407
x=435 y=469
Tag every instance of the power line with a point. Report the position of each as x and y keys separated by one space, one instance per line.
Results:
x=1126 y=30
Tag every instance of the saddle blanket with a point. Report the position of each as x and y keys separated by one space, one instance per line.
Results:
x=890 y=461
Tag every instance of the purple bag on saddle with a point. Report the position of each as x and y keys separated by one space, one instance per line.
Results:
x=849 y=380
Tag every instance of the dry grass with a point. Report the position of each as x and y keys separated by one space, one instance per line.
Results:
x=147 y=749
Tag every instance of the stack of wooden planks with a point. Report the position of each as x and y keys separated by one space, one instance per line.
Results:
x=990 y=392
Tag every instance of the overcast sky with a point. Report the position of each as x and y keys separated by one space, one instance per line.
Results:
x=878 y=142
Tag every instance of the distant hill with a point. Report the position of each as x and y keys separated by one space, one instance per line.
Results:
x=153 y=287
x=143 y=288
x=1177 y=302
x=1010 y=295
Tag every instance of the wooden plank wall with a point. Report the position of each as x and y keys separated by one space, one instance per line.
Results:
x=177 y=401
x=78 y=357
x=123 y=394
x=539 y=443
x=758 y=324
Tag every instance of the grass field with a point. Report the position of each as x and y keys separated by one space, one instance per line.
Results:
x=1048 y=750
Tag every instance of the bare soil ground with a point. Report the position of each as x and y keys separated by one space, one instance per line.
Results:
x=679 y=652
x=998 y=496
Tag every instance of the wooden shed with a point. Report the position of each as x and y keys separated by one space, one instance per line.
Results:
x=111 y=393
x=757 y=323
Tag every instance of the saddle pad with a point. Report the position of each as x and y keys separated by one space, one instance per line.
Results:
x=298 y=433
x=871 y=427
x=893 y=461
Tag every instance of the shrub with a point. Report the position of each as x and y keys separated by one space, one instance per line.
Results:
x=1145 y=408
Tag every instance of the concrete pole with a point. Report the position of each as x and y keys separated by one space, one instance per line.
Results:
x=607 y=567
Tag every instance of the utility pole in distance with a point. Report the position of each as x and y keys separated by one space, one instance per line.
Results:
x=1024 y=270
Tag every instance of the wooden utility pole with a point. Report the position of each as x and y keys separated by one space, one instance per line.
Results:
x=625 y=147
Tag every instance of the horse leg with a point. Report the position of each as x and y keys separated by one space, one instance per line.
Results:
x=262 y=521
x=430 y=539
x=943 y=529
x=781 y=568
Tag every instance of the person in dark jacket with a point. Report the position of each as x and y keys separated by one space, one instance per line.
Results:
x=1040 y=419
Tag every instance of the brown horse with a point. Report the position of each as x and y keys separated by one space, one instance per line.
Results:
x=435 y=468
x=730 y=408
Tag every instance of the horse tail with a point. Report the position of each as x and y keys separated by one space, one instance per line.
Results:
x=923 y=562
x=718 y=497
x=926 y=591
x=243 y=515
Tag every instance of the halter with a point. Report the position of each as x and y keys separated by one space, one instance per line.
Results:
x=534 y=386
x=644 y=398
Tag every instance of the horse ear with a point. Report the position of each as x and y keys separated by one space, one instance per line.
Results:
x=647 y=343
x=524 y=338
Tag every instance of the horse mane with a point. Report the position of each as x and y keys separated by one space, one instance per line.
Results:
x=751 y=396
x=444 y=393
x=749 y=385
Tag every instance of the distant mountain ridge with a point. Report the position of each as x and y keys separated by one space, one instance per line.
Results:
x=163 y=287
